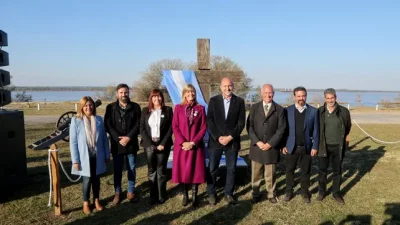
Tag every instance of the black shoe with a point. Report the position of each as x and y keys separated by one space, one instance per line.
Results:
x=338 y=199
x=152 y=201
x=161 y=200
x=273 y=200
x=320 y=197
x=288 y=197
x=255 y=200
x=212 y=199
x=306 y=198
x=230 y=200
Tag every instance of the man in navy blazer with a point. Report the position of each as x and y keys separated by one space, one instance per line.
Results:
x=302 y=142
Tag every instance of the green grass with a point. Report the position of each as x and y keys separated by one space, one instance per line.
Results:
x=371 y=183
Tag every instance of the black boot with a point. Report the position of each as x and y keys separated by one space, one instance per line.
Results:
x=185 y=194
x=195 y=200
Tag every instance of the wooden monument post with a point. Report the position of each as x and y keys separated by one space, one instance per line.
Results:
x=205 y=76
x=55 y=177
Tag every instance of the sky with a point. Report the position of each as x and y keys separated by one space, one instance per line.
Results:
x=317 y=44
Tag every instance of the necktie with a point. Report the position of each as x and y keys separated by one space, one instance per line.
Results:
x=265 y=110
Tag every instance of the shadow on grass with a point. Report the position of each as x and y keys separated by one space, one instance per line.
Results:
x=38 y=177
x=352 y=219
x=392 y=209
x=356 y=163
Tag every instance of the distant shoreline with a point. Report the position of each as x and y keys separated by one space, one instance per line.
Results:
x=99 y=88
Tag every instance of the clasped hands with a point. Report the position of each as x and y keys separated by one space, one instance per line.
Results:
x=124 y=140
x=263 y=146
x=224 y=140
x=188 y=146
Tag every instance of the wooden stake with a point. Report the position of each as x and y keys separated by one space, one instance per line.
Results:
x=55 y=176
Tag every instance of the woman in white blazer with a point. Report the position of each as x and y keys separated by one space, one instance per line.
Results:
x=89 y=150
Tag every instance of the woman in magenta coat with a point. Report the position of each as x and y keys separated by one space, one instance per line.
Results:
x=189 y=127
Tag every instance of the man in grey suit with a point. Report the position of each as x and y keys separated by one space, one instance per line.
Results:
x=267 y=124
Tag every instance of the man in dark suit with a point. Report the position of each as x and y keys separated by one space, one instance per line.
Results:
x=122 y=122
x=225 y=121
x=335 y=126
x=267 y=124
x=302 y=142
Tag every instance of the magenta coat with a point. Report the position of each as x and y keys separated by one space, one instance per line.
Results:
x=189 y=166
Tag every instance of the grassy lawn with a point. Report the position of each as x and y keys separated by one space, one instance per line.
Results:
x=371 y=183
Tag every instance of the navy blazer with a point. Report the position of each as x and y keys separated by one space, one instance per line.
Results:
x=311 y=129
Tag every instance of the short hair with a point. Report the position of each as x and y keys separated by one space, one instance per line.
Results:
x=188 y=87
x=300 y=88
x=82 y=103
x=122 y=86
x=330 y=91
x=156 y=92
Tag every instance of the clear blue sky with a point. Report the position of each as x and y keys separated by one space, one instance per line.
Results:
x=318 y=44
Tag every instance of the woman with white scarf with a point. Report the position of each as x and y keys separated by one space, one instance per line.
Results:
x=89 y=150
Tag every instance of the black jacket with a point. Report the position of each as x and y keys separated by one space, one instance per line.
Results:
x=270 y=129
x=233 y=125
x=344 y=115
x=113 y=124
x=165 y=128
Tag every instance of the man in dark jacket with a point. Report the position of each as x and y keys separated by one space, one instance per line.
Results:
x=225 y=120
x=267 y=124
x=122 y=121
x=335 y=125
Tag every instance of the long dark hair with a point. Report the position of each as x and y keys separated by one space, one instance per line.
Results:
x=156 y=92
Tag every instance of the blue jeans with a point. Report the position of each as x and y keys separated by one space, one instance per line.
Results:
x=118 y=162
x=214 y=156
x=93 y=181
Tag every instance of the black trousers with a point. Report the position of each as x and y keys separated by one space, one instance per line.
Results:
x=303 y=159
x=214 y=156
x=157 y=170
x=333 y=155
x=93 y=181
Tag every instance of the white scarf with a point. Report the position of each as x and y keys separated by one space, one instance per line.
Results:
x=90 y=130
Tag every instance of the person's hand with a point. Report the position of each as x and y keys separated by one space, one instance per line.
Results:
x=284 y=150
x=160 y=148
x=221 y=140
x=123 y=140
x=186 y=146
x=314 y=152
x=260 y=144
x=76 y=166
x=266 y=147
x=224 y=140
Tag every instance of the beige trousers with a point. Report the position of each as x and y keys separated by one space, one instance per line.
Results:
x=259 y=170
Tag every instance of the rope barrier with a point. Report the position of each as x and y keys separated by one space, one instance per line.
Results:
x=51 y=179
x=373 y=138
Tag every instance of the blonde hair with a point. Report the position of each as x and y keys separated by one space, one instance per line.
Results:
x=188 y=87
x=82 y=103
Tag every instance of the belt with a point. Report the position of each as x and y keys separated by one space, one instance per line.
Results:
x=300 y=146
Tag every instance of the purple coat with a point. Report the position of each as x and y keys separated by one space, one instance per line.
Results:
x=189 y=166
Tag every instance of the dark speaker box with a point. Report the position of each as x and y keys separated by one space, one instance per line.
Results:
x=13 y=167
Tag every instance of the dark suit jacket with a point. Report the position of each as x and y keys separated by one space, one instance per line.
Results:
x=311 y=129
x=269 y=129
x=232 y=125
x=112 y=122
x=165 y=128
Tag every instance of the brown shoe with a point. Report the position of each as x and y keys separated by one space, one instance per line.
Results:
x=86 y=208
x=98 y=206
x=130 y=196
x=116 y=199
